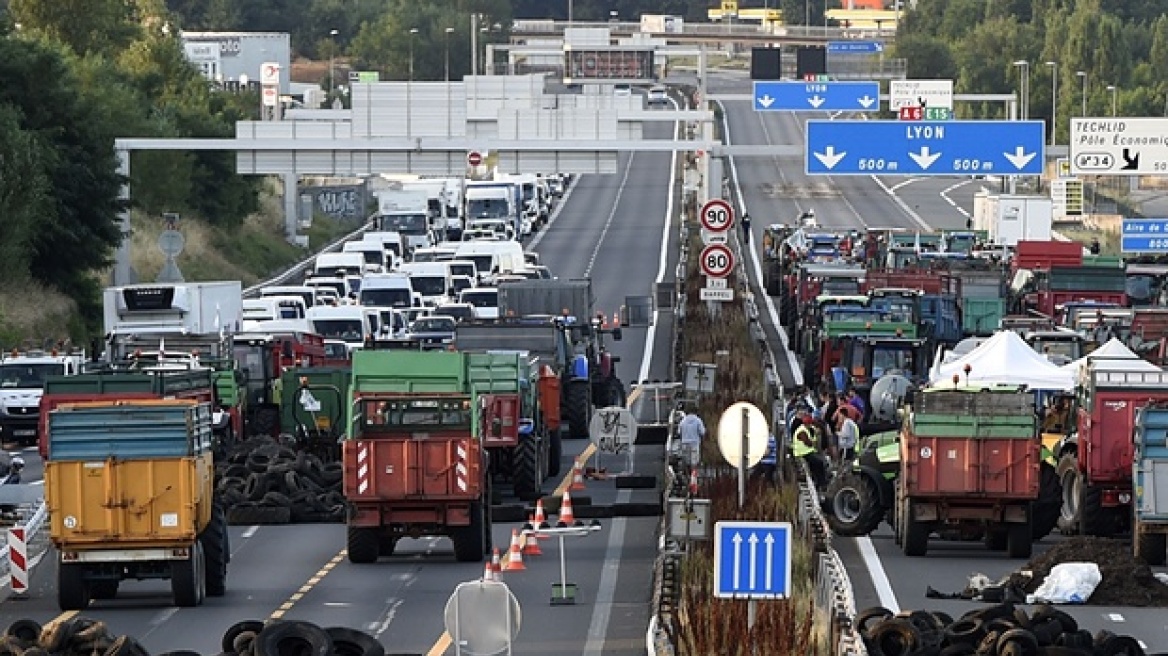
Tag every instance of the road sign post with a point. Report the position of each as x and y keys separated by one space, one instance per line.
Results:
x=797 y=95
x=925 y=148
x=1126 y=146
x=717 y=261
x=1144 y=236
x=752 y=560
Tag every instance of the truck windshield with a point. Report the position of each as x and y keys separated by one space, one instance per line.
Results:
x=374 y=257
x=406 y=224
x=391 y=298
x=345 y=329
x=483 y=263
x=840 y=287
x=423 y=414
x=28 y=375
x=486 y=208
x=887 y=358
x=429 y=285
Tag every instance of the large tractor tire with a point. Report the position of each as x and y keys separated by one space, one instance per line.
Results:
x=578 y=408
x=916 y=536
x=1046 y=511
x=1070 y=510
x=1094 y=519
x=853 y=502
x=72 y=590
x=215 y=552
x=187 y=578
x=470 y=541
x=364 y=545
x=525 y=470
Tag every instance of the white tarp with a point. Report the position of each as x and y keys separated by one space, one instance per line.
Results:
x=1112 y=356
x=1005 y=359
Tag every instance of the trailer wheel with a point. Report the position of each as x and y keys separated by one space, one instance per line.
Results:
x=1069 y=481
x=468 y=540
x=577 y=408
x=1019 y=540
x=1094 y=519
x=854 y=502
x=996 y=539
x=186 y=578
x=1151 y=547
x=555 y=453
x=104 y=589
x=214 y=542
x=916 y=535
x=525 y=474
x=386 y=545
x=364 y=544
x=72 y=590
x=1045 y=512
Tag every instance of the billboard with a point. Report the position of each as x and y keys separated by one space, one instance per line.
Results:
x=597 y=64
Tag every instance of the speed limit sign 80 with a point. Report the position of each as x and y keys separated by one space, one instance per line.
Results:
x=717 y=261
x=717 y=215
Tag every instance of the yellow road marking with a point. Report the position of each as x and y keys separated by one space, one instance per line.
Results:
x=440 y=647
x=304 y=589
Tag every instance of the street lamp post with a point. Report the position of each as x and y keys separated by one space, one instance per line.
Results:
x=449 y=106
x=1025 y=87
x=1083 y=76
x=1114 y=97
x=332 y=63
x=1053 y=100
x=409 y=85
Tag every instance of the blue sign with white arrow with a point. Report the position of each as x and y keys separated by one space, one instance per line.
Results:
x=1144 y=236
x=752 y=560
x=792 y=95
x=855 y=47
x=925 y=148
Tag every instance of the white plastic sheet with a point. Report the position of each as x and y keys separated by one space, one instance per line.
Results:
x=1068 y=583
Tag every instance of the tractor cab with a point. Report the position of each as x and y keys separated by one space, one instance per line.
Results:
x=1059 y=346
x=867 y=358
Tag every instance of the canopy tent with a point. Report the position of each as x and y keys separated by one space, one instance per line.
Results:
x=1112 y=356
x=1005 y=359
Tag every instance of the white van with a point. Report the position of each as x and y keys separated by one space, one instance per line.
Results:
x=352 y=324
x=392 y=324
x=331 y=264
x=391 y=241
x=339 y=287
x=373 y=252
x=485 y=301
x=439 y=253
x=271 y=308
x=501 y=229
x=464 y=268
x=430 y=279
x=391 y=290
x=303 y=291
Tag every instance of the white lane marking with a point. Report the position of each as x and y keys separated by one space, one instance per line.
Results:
x=908 y=211
x=611 y=215
x=801 y=127
x=796 y=372
x=651 y=333
x=40 y=482
x=876 y=571
x=897 y=186
x=606 y=592
x=250 y=531
x=162 y=616
x=945 y=195
x=555 y=214
x=1115 y=617
x=378 y=628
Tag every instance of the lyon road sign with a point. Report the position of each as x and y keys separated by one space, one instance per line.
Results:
x=717 y=215
x=717 y=261
x=752 y=560
x=809 y=96
x=920 y=93
x=1119 y=146
x=924 y=148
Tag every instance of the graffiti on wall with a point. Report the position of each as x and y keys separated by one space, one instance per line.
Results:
x=341 y=202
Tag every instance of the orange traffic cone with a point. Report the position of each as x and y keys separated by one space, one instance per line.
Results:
x=489 y=572
x=531 y=543
x=567 y=517
x=514 y=555
x=540 y=521
x=577 y=476
x=496 y=564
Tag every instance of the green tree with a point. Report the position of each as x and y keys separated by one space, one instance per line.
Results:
x=927 y=57
x=24 y=193
x=84 y=25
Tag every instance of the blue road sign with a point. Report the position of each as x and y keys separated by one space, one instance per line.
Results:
x=812 y=96
x=752 y=560
x=1144 y=236
x=855 y=47
x=925 y=148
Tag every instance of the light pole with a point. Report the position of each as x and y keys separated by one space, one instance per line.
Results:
x=449 y=31
x=332 y=63
x=569 y=12
x=409 y=85
x=1053 y=100
x=1025 y=87
x=1114 y=97
x=1083 y=76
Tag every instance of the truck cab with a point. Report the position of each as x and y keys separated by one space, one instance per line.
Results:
x=352 y=324
x=22 y=382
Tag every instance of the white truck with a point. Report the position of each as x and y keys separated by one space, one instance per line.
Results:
x=22 y=381
x=190 y=315
x=491 y=199
x=407 y=212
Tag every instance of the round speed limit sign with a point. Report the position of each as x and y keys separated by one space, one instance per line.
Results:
x=717 y=215
x=717 y=261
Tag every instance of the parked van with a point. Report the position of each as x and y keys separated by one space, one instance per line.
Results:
x=332 y=264
x=352 y=324
x=390 y=290
x=430 y=279
x=373 y=252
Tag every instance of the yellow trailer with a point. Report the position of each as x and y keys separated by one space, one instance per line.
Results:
x=130 y=491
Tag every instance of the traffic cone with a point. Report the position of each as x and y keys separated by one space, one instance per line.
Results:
x=496 y=564
x=577 y=476
x=693 y=481
x=489 y=572
x=531 y=543
x=514 y=555
x=540 y=521
x=567 y=517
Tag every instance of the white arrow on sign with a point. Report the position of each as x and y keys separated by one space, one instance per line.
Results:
x=866 y=101
x=753 y=559
x=816 y=101
x=770 y=558
x=766 y=101
x=829 y=157
x=925 y=159
x=879 y=47
x=737 y=540
x=1020 y=158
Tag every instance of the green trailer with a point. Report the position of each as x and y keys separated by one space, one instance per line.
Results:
x=312 y=408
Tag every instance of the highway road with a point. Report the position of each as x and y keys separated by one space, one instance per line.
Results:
x=610 y=227
x=777 y=190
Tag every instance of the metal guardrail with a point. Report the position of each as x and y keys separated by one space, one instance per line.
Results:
x=33 y=517
x=298 y=269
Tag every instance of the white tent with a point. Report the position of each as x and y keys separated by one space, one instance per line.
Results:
x=1112 y=356
x=1005 y=359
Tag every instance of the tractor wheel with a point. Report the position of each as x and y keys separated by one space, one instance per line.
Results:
x=1094 y=519
x=916 y=535
x=615 y=393
x=854 y=504
x=525 y=470
x=364 y=545
x=470 y=541
x=72 y=589
x=578 y=408
x=1046 y=510
x=1069 y=481
x=555 y=453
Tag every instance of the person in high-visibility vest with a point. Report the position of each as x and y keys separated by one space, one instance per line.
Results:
x=805 y=445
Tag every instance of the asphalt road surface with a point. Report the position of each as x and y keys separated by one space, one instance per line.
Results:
x=610 y=227
x=776 y=189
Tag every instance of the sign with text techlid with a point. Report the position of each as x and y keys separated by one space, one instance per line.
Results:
x=1123 y=146
x=920 y=93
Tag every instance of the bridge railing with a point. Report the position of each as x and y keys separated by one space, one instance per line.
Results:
x=295 y=273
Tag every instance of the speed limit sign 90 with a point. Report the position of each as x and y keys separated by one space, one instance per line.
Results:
x=717 y=261
x=717 y=215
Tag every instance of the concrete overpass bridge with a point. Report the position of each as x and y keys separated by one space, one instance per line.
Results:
x=745 y=34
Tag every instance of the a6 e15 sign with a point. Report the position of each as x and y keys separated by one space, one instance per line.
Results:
x=717 y=260
x=608 y=64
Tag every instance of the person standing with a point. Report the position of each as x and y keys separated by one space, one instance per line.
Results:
x=691 y=430
x=847 y=435
x=805 y=445
x=745 y=228
x=858 y=403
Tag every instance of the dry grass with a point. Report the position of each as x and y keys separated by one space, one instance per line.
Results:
x=25 y=322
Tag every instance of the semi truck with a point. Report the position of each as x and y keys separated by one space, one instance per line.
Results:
x=22 y=382
x=1150 y=473
x=413 y=454
x=130 y=493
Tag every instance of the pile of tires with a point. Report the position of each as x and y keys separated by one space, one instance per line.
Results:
x=1001 y=630
x=82 y=636
x=264 y=482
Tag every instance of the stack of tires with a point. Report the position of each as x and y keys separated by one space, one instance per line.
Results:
x=1001 y=630
x=265 y=482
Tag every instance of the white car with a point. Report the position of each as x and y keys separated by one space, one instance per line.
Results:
x=658 y=95
x=622 y=90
